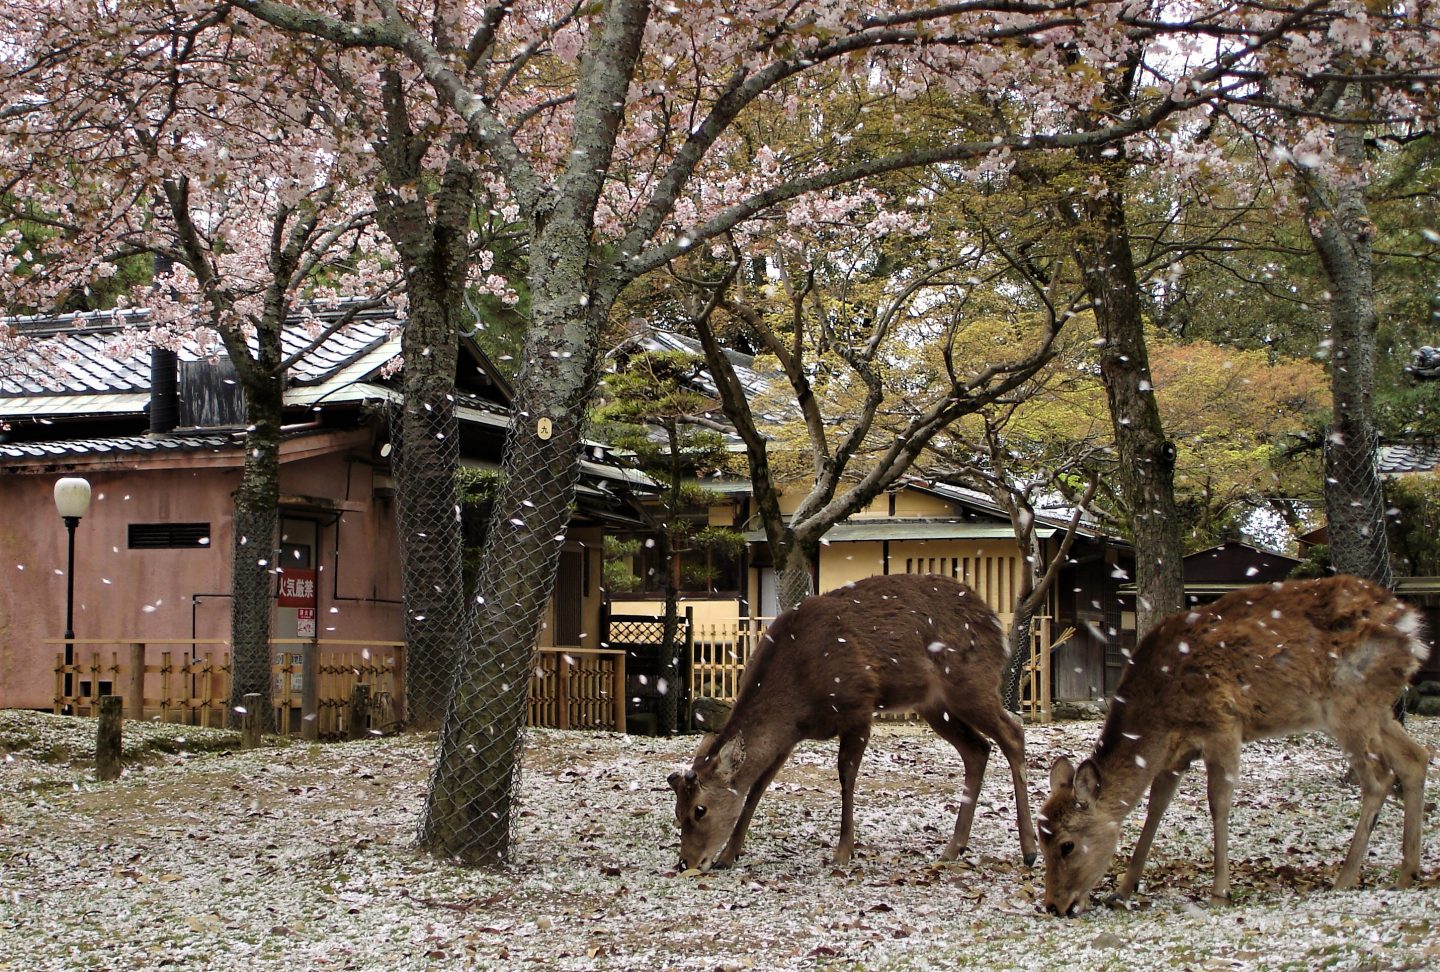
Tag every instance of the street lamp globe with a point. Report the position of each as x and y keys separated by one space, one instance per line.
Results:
x=72 y=496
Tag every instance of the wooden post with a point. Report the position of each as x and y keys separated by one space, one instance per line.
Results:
x=358 y=723
x=310 y=690
x=107 y=738
x=166 y=698
x=1046 y=713
x=562 y=690
x=135 y=687
x=250 y=722
x=687 y=670
x=621 y=691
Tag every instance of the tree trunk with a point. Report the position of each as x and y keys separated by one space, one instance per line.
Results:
x=257 y=500
x=1028 y=599
x=793 y=579
x=468 y=811
x=428 y=504
x=469 y=807
x=1340 y=228
x=1019 y=638
x=1146 y=460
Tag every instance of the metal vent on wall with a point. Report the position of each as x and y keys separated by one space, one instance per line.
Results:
x=153 y=536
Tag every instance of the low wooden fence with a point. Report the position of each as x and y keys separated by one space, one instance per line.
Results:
x=187 y=681
x=722 y=650
x=578 y=688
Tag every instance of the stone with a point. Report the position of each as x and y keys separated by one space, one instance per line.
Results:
x=709 y=714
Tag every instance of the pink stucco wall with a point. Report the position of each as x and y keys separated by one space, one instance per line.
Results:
x=124 y=595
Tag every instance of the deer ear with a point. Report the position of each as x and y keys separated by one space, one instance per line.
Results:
x=730 y=757
x=1087 y=782
x=1062 y=774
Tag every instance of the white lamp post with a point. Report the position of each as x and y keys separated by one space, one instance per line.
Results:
x=72 y=500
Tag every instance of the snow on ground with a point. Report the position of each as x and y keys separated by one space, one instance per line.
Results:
x=301 y=857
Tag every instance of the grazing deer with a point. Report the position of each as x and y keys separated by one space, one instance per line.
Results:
x=1266 y=661
x=825 y=668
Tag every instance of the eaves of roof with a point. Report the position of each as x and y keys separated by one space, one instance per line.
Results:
x=115 y=447
x=907 y=530
x=228 y=447
x=1399 y=458
x=73 y=404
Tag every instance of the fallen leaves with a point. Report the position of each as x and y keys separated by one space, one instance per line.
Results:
x=310 y=851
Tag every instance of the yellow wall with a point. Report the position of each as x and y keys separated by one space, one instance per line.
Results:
x=992 y=567
x=908 y=503
x=722 y=611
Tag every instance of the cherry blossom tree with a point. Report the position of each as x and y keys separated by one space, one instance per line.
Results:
x=609 y=125
x=132 y=136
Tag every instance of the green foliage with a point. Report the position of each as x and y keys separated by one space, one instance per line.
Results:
x=1414 y=524
x=1315 y=564
x=652 y=411
x=617 y=572
x=476 y=487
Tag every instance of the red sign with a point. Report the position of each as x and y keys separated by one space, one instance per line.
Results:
x=297 y=588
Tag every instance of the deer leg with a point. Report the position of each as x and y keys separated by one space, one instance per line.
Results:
x=1162 y=791
x=1005 y=729
x=852 y=750
x=974 y=751
x=1220 y=773
x=752 y=800
x=1377 y=763
x=1408 y=760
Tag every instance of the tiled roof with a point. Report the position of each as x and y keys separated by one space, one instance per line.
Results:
x=1408 y=457
x=118 y=445
x=91 y=377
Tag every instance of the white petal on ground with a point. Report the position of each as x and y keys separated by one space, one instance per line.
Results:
x=208 y=857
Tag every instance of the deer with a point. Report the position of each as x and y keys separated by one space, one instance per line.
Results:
x=1332 y=654
x=825 y=668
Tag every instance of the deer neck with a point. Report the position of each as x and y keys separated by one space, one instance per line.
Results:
x=1128 y=762
x=760 y=730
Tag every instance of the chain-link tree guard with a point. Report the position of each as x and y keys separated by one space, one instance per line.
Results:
x=1355 y=507
x=253 y=565
x=425 y=454
x=793 y=583
x=470 y=804
x=250 y=606
x=1020 y=638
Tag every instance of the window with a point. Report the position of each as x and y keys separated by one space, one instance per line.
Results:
x=158 y=536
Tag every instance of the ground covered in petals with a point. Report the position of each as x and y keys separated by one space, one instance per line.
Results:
x=301 y=856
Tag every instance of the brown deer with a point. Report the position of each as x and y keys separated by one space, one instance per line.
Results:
x=903 y=642
x=1266 y=661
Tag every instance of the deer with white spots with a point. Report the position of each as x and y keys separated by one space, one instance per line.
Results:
x=1266 y=661
x=896 y=643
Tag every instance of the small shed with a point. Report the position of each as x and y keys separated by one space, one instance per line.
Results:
x=1231 y=565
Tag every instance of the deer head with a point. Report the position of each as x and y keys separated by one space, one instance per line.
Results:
x=1078 y=841
x=708 y=801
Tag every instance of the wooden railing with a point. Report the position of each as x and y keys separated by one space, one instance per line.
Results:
x=721 y=651
x=578 y=688
x=187 y=680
